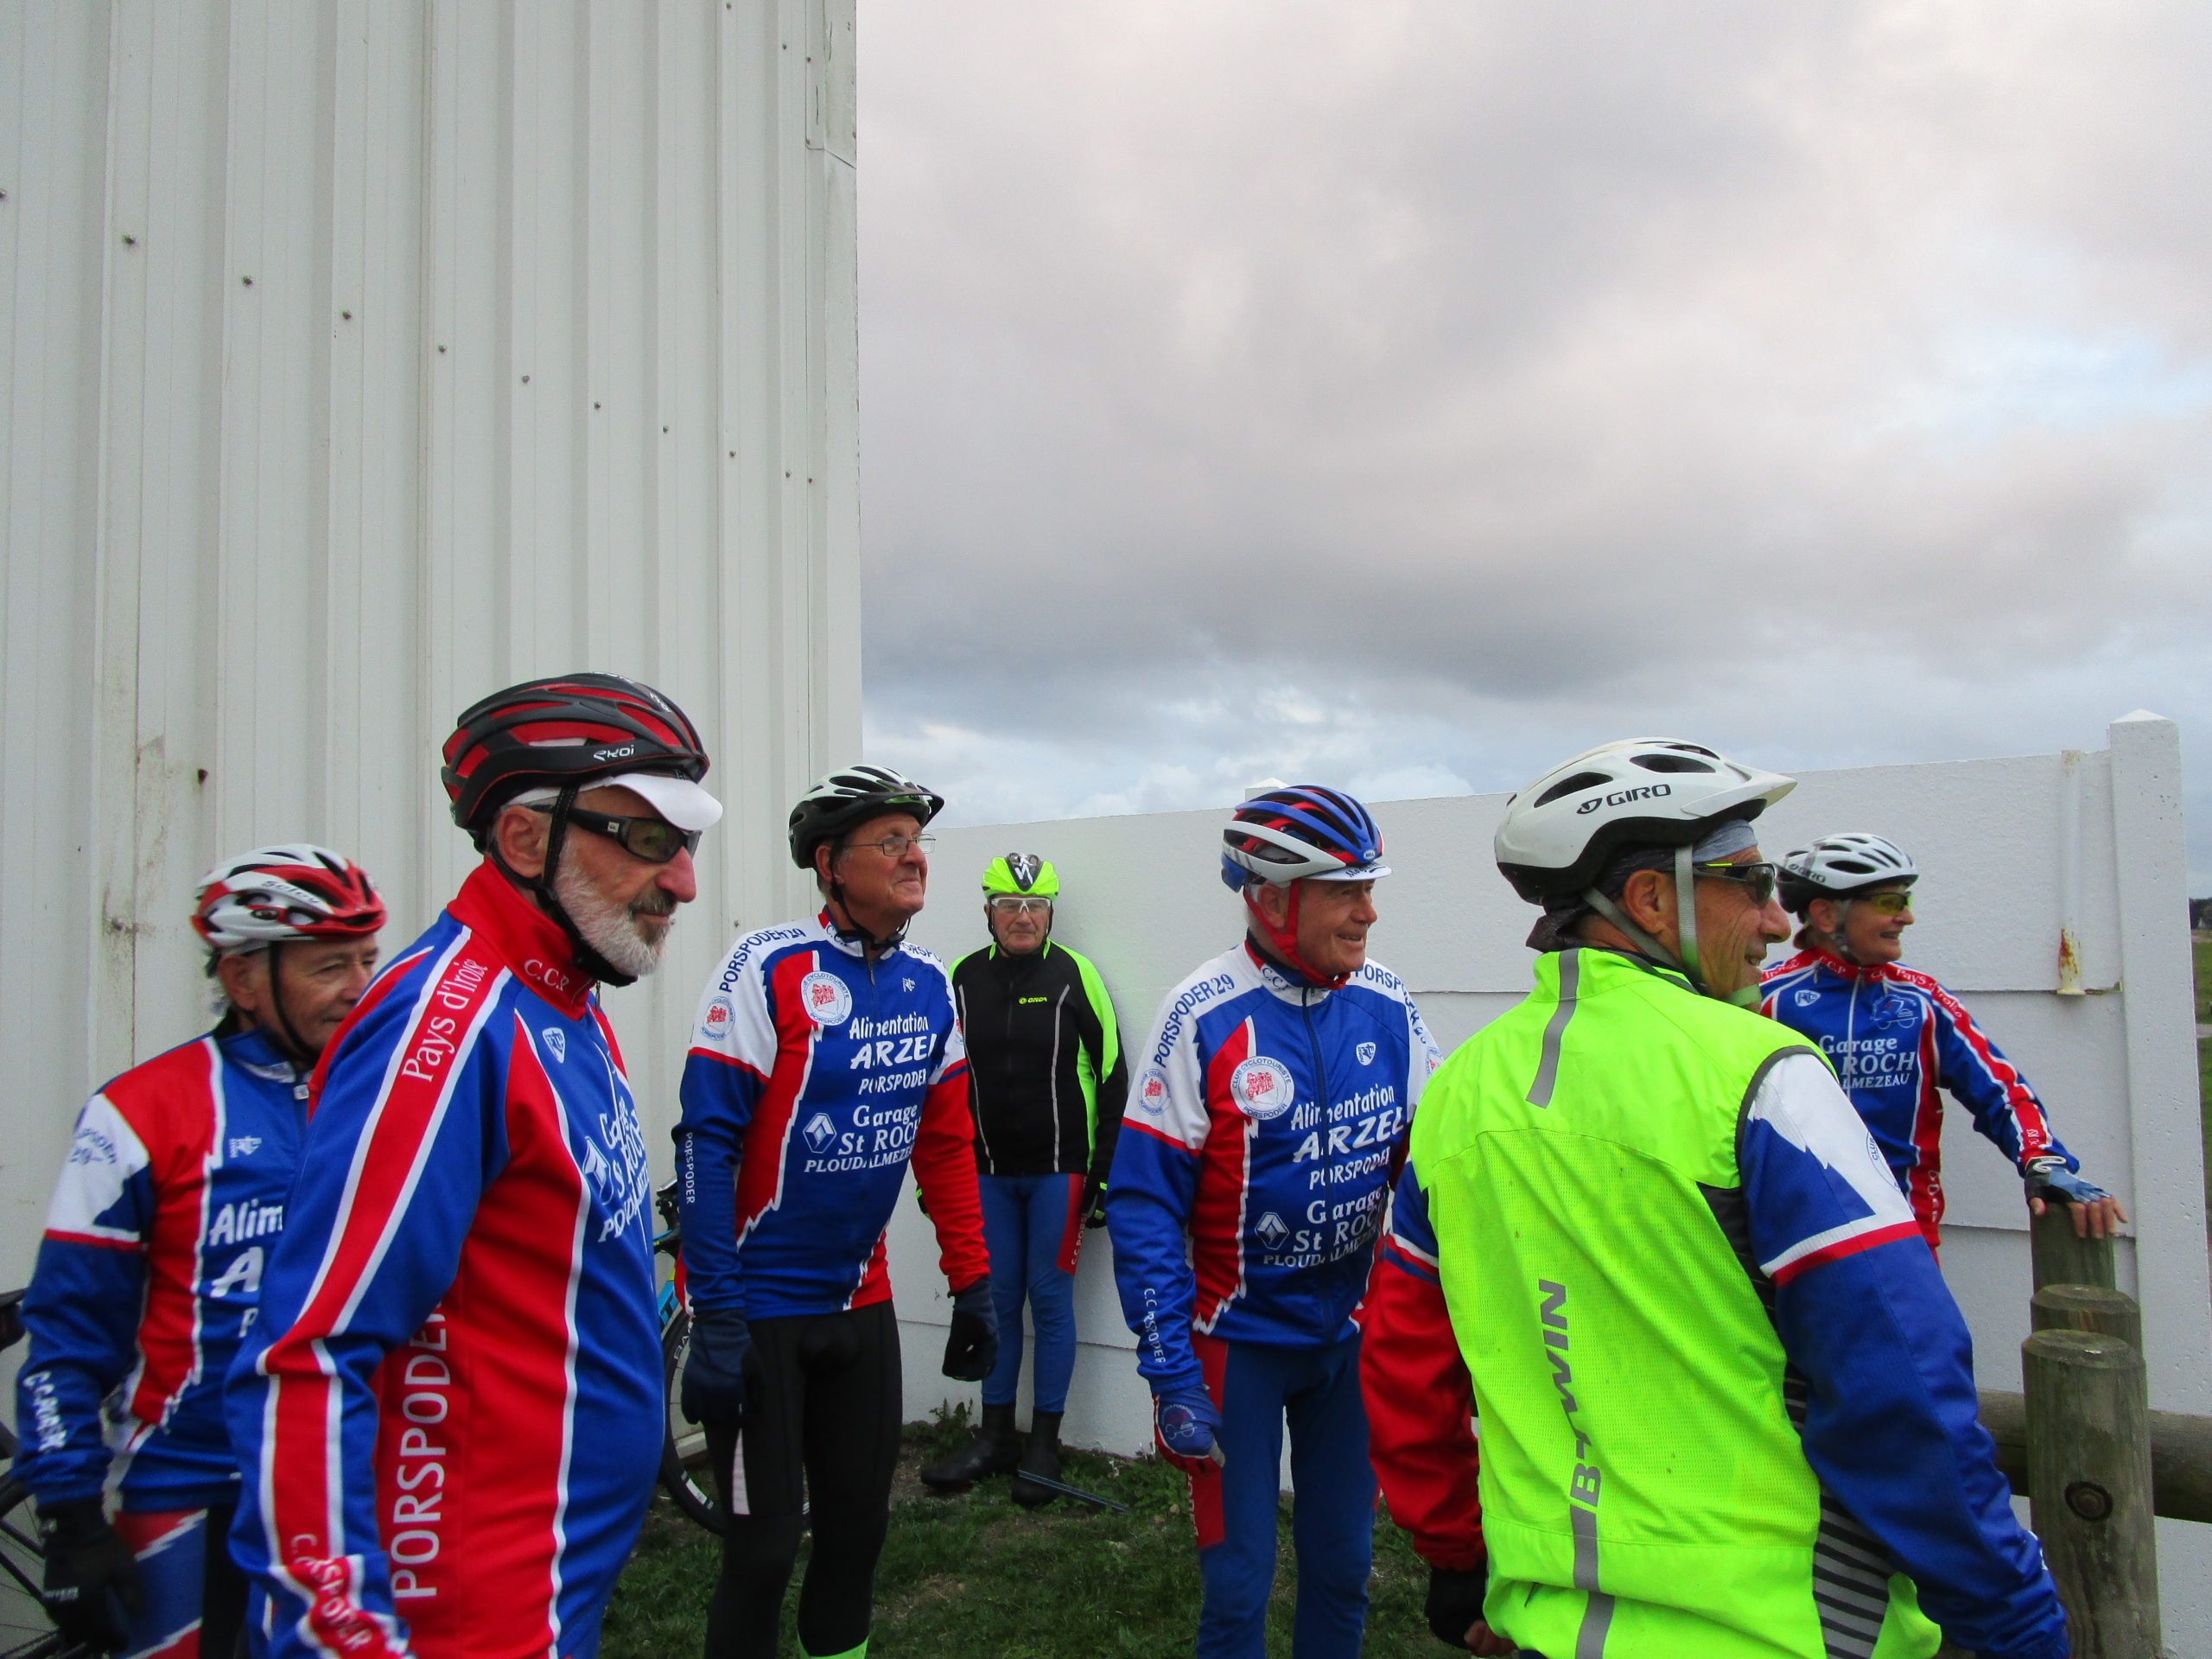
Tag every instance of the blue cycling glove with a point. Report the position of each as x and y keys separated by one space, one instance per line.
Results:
x=2048 y=1179
x=714 y=1375
x=973 y=1347
x=1189 y=1426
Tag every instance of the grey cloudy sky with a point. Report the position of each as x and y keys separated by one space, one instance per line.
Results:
x=1404 y=396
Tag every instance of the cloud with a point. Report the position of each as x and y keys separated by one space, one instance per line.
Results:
x=1404 y=393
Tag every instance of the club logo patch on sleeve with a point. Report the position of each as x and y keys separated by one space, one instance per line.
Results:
x=1262 y=1088
x=716 y=1023
x=1152 y=1093
x=826 y=997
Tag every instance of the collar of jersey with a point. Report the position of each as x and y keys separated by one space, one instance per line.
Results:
x=492 y=906
x=852 y=948
x=1842 y=969
x=1297 y=993
x=251 y=1051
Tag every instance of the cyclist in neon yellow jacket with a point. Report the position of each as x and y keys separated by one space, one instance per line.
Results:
x=1726 y=1404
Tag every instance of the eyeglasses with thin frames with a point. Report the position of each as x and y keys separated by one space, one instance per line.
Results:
x=892 y=847
x=1020 y=904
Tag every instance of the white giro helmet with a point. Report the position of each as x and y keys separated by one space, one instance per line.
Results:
x=1559 y=834
x=1835 y=866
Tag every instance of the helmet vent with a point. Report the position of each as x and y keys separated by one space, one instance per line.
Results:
x=1581 y=780
x=1672 y=762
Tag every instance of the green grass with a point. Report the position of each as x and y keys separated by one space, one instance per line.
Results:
x=977 y=1575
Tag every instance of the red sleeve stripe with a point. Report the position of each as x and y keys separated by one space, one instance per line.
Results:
x=302 y=1459
x=730 y=1060
x=1225 y=1185
x=118 y=1240
x=1851 y=1244
x=1165 y=1139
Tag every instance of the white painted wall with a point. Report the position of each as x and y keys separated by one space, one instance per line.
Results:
x=2014 y=851
x=360 y=357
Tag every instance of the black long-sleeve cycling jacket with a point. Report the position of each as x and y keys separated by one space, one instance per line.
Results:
x=1047 y=1078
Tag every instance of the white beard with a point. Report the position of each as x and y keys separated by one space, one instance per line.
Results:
x=632 y=940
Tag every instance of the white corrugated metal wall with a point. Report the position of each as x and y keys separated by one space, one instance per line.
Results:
x=361 y=356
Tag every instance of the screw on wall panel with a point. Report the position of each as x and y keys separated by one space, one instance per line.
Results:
x=663 y=429
x=349 y=316
x=4 y=194
x=733 y=455
x=526 y=380
x=130 y=241
x=203 y=774
x=246 y=282
x=442 y=349
x=594 y=405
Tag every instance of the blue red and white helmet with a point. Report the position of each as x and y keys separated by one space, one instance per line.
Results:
x=287 y=894
x=1300 y=832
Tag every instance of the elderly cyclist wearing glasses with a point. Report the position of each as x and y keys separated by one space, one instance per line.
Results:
x=1045 y=1080
x=826 y=1057
x=450 y=1412
x=1896 y=1036
x=1727 y=1402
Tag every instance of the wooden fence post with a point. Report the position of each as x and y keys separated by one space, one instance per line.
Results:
x=2088 y=1307
x=2062 y=1259
x=2089 y=1470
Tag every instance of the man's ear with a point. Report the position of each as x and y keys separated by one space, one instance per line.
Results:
x=518 y=835
x=244 y=980
x=824 y=855
x=1648 y=899
x=1273 y=902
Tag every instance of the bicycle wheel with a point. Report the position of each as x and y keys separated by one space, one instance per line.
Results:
x=683 y=1471
x=25 y=1631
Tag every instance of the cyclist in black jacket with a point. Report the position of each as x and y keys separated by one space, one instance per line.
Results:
x=1046 y=1081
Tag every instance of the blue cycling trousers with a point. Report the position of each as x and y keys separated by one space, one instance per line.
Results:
x=1033 y=1226
x=194 y=1597
x=1258 y=1387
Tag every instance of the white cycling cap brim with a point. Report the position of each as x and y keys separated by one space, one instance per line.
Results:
x=679 y=800
x=1357 y=873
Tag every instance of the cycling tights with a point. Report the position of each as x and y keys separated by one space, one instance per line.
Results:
x=1032 y=1225
x=822 y=1405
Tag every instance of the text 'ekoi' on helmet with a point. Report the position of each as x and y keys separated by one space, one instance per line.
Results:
x=571 y=730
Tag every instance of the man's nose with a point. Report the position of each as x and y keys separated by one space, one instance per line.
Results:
x=679 y=877
x=1774 y=925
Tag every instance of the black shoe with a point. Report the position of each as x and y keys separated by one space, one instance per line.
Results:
x=995 y=1449
x=1041 y=1457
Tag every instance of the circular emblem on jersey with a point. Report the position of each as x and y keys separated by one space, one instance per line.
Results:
x=716 y=1023
x=1262 y=1088
x=1152 y=1093
x=825 y=998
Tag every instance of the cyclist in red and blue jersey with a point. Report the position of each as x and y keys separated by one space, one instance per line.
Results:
x=152 y=1262
x=450 y=1413
x=1896 y=1037
x=1247 y=1192
x=828 y=1056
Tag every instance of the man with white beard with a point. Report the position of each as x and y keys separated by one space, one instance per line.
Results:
x=450 y=1414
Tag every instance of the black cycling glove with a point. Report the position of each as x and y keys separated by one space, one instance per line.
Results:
x=92 y=1577
x=1094 y=1203
x=1455 y=1602
x=973 y=1347
x=714 y=1375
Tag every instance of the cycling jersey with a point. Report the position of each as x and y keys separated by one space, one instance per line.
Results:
x=1726 y=1402
x=155 y=1245
x=1046 y=1073
x=814 y=1076
x=452 y=1406
x=1262 y=1129
x=1895 y=1037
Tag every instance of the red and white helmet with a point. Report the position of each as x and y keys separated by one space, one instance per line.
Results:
x=283 y=895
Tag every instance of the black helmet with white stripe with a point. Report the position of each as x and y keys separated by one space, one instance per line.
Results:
x=851 y=796
x=1835 y=867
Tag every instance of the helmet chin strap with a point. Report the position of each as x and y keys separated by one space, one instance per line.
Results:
x=1686 y=962
x=541 y=885
x=850 y=928
x=1282 y=943
x=288 y=1041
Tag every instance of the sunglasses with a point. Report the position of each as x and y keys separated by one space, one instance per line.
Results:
x=655 y=840
x=1886 y=904
x=1757 y=879
x=1018 y=904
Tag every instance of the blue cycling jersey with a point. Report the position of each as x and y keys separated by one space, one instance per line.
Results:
x=149 y=1271
x=1250 y=1180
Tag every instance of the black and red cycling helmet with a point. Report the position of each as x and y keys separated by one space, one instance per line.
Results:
x=567 y=730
